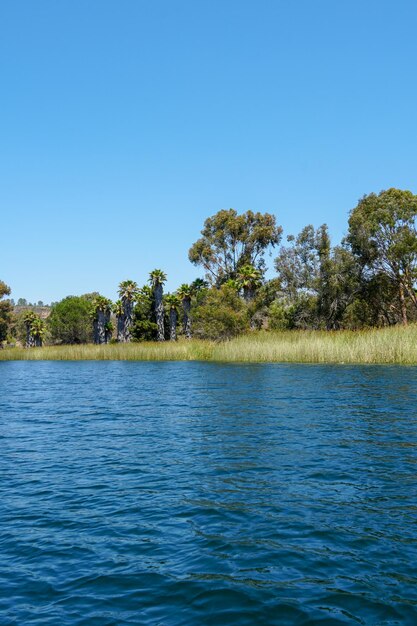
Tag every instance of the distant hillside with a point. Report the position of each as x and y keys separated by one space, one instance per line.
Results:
x=42 y=311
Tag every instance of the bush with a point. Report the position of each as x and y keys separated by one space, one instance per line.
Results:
x=279 y=315
x=221 y=315
x=70 y=321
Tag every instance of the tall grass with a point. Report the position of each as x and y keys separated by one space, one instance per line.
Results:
x=387 y=345
x=149 y=351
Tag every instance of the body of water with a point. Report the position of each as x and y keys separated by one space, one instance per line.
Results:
x=179 y=494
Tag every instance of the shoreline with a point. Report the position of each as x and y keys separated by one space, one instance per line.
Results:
x=395 y=345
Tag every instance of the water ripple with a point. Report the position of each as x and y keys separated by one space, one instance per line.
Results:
x=191 y=493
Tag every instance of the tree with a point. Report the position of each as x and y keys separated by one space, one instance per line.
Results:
x=198 y=285
x=318 y=282
x=118 y=310
x=173 y=303
x=230 y=241
x=128 y=291
x=38 y=330
x=375 y=304
x=185 y=293
x=221 y=315
x=297 y=264
x=5 y=311
x=249 y=279
x=340 y=283
x=382 y=234
x=35 y=330
x=144 y=327
x=157 y=278
x=102 y=327
x=70 y=320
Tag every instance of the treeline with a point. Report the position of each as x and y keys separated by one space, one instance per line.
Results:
x=368 y=280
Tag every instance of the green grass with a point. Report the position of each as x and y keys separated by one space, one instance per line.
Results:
x=387 y=345
x=149 y=351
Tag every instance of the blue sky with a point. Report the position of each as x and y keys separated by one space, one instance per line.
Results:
x=125 y=124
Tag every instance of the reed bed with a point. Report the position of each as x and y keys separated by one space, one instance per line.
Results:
x=397 y=345
x=149 y=351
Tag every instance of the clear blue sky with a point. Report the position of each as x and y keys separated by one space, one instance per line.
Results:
x=124 y=124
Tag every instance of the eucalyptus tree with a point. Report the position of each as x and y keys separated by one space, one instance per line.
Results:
x=383 y=235
x=185 y=293
x=317 y=281
x=157 y=279
x=101 y=311
x=249 y=279
x=128 y=291
x=35 y=329
x=173 y=303
x=297 y=264
x=230 y=241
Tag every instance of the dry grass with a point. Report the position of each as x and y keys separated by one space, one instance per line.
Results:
x=149 y=351
x=387 y=345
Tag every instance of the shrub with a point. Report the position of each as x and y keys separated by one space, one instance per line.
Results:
x=221 y=315
x=70 y=321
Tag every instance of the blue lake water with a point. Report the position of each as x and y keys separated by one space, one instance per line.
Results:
x=198 y=493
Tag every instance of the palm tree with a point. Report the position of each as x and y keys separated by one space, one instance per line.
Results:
x=102 y=327
x=232 y=283
x=119 y=313
x=157 y=279
x=38 y=331
x=35 y=330
x=249 y=279
x=173 y=303
x=28 y=319
x=185 y=292
x=199 y=284
x=128 y=291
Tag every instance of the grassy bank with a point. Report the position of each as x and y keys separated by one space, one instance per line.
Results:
x=388 y=345
x=149 y=351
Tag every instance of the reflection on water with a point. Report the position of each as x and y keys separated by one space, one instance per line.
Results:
x=193 y=493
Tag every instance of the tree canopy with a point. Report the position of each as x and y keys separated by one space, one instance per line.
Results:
x=230 y=241
x=369 y=279
x=383 y=235
x=70 y=320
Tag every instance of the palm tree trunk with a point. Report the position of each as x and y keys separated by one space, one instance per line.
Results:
x=30 y=340
x=248 y=294
x=127 y=319
x=120 y=328
x=101 y=334
x=96 y=336
x=159 y=313
x=186 y=305
x=173 y=324
x=107 y=331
